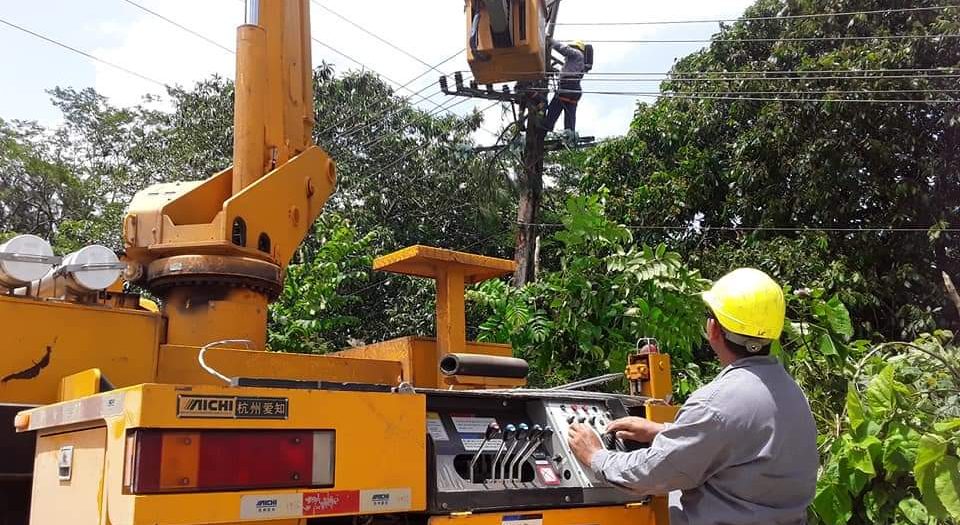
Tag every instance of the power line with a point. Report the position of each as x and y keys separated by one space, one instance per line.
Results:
x=704 y=229
x=84 y=53
x=685 y=74
x=730 y=96
x=760 y=18
x=406 y=99
x=374 y=35
x=784 y=39
x=785 y=92
x=362 y=65
x=770 y=79
x=443 y=107
x=187 y=29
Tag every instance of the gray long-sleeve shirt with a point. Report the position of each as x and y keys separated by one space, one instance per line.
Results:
x=743 y=450
x=574 y=63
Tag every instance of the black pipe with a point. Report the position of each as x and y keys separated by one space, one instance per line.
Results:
x=483 y=365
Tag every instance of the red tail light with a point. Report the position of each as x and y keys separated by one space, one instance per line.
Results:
x=214 y=460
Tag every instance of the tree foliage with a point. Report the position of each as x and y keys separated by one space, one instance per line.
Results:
x=608 y=293
x=712 y=166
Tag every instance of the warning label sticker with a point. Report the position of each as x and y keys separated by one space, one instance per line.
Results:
x=231 y=407
x=385 y=500
x=331 y=502
x=435 y=427
x=324 y=503
x=522 y=519
x=548 y=476
x=473 y=443
x=260 y=506
x=471 y=425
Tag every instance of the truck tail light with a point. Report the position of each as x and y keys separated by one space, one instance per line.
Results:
x=159 y=461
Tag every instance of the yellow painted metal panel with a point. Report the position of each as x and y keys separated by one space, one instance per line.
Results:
x=296 y=191
x=615 y=515
x=451 y=312
x=419 y=357
x=178 y=364
x=78 y=499
x=81 y=384
x=526 y=60
x=430 y=262
x=45 y=341
x=390 y=428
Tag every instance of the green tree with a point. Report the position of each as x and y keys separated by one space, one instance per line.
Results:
x=608 y=293
x=710 y=166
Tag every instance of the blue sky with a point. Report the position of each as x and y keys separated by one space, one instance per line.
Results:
x=119 y=32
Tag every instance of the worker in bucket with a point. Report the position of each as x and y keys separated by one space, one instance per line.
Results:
x=743 y=449
x=569 y=91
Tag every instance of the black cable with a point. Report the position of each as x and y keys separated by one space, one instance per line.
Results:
x=784 y=39
x=84 y=53
x=761 y=18
x=187 y=29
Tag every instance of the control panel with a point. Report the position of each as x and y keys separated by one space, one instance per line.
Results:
x=509 y=450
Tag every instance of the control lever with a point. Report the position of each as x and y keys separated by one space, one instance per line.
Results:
x=522 y=435
x=493 y=430
x=508 y=433
x=543 y=435
x=532 y=441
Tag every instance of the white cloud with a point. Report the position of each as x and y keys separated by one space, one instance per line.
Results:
x=164 y=52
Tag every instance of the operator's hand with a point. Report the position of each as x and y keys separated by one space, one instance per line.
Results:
x=584 y=442
x=635 y=429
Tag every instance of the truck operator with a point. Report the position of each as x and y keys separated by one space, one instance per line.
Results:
x=743 y=448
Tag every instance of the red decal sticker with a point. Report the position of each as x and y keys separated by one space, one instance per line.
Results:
x=332 y=502
x=548 y=476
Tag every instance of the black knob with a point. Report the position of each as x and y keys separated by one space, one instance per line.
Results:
x=593 y=420
x=536 y=432
x=581 y=419
x=609 y=441
x=563 y=408
x=522 y=431
x=508 y=432
x=571 y=419
x=493 y=430
x=547 y=433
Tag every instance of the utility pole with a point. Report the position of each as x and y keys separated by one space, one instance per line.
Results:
x=531 y=174
x=531 y=96
x=531 y=186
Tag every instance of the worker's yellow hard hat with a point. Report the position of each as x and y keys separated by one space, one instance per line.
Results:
x=580 y=44
x=748 y=302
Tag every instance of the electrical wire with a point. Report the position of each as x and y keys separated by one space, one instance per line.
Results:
x=354 y=114
x=784 y=39
x=761 y=18
x=181 y=26
x=787 y=72
x=704 y=229
x=423 y=116
x=775 y=92
x=374 y=35
x=590 y=78
x=730 y=95
x=84 y=53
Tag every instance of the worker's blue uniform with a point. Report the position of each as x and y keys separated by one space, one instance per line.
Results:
x=743 y=451
x=569 y=91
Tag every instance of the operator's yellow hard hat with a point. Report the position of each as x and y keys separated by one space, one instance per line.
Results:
x=580 y=44
x=749 y=303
